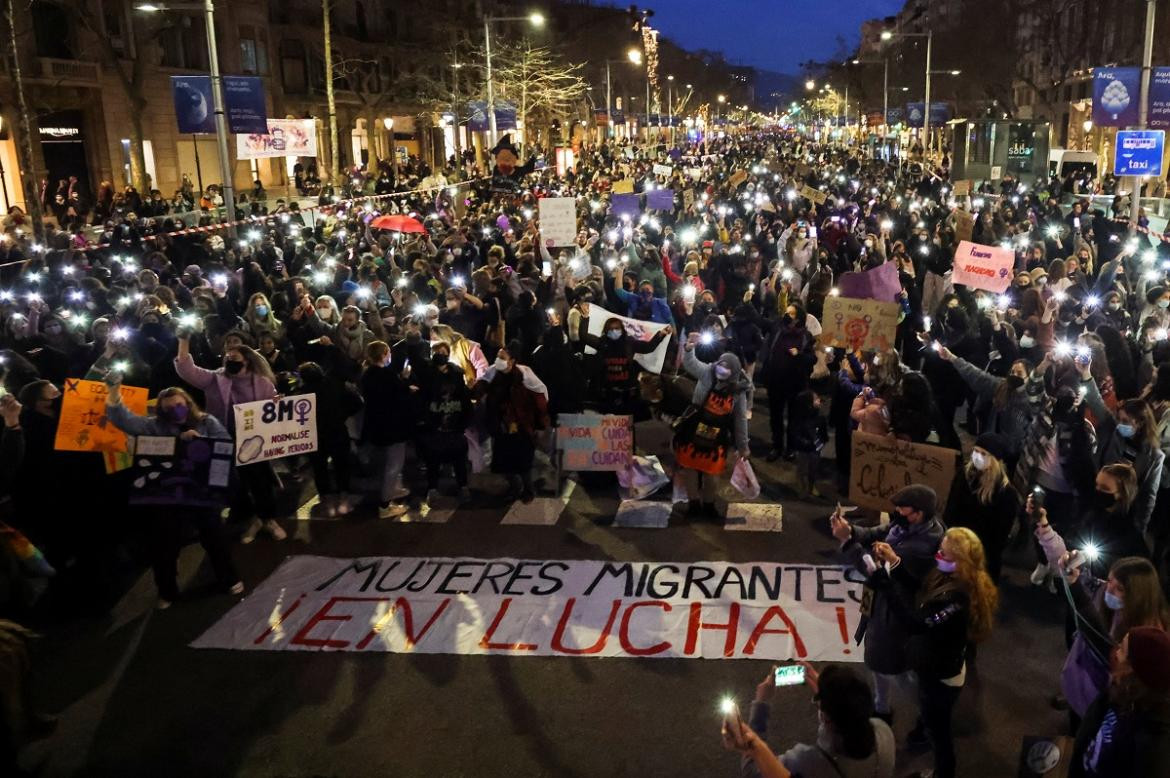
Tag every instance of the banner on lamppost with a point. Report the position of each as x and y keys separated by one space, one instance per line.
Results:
x=477 y=116
x=1021 y=147
x=193 y=104
x=1116 y=93
x=940 y=113
x=243 y=98
x=283 y=138
x=1159 y=107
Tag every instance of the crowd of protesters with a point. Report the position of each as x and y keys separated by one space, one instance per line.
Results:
x=457 y=343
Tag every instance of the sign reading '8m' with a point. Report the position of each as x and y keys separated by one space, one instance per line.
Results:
x=271 y=429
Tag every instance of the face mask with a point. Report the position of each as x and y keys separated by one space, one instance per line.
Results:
x=978 y=460
x=233 y=368
x=897 y=518
x=1041 y=282
x=177 y=413
x=1027 y=341
x=1104 y=500
x=261 y=311
x=353 y=327
x=1014 y=381
x=323 y=313
x=944 y=565
x=613 y=334
x=1114 y=306
x=1164 y=303
x=1125 y=430
x=438 y=360
x=501 y=365
x=722 y=372
x=1113 y=602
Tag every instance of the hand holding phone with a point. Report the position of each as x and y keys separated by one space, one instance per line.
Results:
x=788 y=675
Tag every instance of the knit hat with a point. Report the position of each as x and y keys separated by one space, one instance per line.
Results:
x=1149 y=656
x=1038 y=273
x=993 y=443
x=916 y=496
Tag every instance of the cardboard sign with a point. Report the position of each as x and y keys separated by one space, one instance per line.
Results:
x=663 y=170
x=964 y=225
x=983 y=267
x=880 y=465
x=625 y=186
x=962 y=187
x=170 y=471
x=593 y=442
x=859 y=324
x=880 y=283
x=83 y=425
x=549 y=607
x=737 y=178
x=640 y=330
x=558 y=221
x=694 y=173
x=688 y=198
x=814 y=195
x=626 y=204
x=271 y=429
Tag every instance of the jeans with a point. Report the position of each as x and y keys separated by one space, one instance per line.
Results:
x=389 y=461
x=166 y=541
x=937 y=701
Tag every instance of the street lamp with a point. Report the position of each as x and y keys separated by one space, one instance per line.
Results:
x=929 y=35
x=536 y=20
x=633 y=57
x=885 y=63
x=207 y=8
x=810 y=85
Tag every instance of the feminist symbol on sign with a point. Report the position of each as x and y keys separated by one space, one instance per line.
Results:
x=856 y=331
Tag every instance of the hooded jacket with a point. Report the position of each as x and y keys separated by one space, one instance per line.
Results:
x=706 y=380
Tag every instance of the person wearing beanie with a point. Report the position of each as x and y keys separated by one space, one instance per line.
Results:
x=1126 y=731
x=983 y=500
x=913 y=534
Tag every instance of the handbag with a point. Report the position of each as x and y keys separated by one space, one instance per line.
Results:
x=1084 y=676
x=743 y=478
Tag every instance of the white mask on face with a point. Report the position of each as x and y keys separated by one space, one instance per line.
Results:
x=501 y=365
x=978 y=460
x=1027 y=341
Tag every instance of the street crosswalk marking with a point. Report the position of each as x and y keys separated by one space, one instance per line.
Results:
x=754 y=517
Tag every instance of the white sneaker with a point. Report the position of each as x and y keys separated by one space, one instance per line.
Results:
x=391 y=511
x=237 y=588
x=1039 y=574
x=275 y=530
x=162 y=604
x=343 y=507
x=400 y=493
x=251 y=532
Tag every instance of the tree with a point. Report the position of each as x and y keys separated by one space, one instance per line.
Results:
x=331 y=103
x=28 y=178
x=544 y=86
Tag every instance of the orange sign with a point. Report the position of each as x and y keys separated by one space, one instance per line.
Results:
x=84 y=426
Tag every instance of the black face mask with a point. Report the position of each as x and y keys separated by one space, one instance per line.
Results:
x=1104 y=501
x=439 y=360
x=900 y=520
x=1014 y=381
x=233 y=368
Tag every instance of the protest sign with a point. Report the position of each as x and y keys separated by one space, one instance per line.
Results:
x=578 y=608
x=962 y=187
x=625 y=186
x=83 y=425
x=964 y=225
x=688 y=198
x=626 y=205
x=983 y=267
x=694 y=173
x=639 y=330
x=170 y=471
x=880 y=465
x=271 y=429
x=285 y=138
x=663 y=170
x=879 y=283
x=558 y=221
x=816 y=196
x=593 y=442
x=859 y=324
x=660 y=199
x=737 y=178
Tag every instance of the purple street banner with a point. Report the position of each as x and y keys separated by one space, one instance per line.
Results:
x=1116 y=92
x=660 y=199
x=194 y=106
x=1159 y=109
x=243 y=98
x=626 y=204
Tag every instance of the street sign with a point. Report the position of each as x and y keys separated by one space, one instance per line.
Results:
x=1139 y=153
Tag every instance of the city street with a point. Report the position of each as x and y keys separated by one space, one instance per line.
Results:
x=134 y=697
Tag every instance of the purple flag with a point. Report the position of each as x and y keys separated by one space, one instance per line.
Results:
x=626 y=204
x=881 y=283
x=660 y=199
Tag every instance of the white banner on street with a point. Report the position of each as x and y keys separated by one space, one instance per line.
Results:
x=691 y=610
x=639 y=330
x=271 y=429
x=285 y=138
x=558 y=221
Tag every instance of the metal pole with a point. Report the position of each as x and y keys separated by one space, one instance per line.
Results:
x=221 y=130
x=1147 y=59
x=608 y=104
x=846 y=126
x=647 y=100
x=670 y=109
x=885 y=107
x=926 y=108
x=491 y=106
x=198 y=167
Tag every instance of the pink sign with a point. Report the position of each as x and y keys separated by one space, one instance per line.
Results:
x=983 y=267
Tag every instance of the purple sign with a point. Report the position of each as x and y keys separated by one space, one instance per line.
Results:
x=881 y=283
x=1116 y=92
x=193 y=104
x=626 y=204
x=660 y=199
x=243 y=98
x=1159 y=113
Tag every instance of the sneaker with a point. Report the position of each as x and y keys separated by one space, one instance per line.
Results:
x=237 y=588
x=343 y=507
x=1039 y=574
x=252 y=530
x=391 y=510
x=275 y=530
x=162 y=604
x=400 y=493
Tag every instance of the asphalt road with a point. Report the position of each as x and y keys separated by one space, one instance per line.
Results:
x=134 y=700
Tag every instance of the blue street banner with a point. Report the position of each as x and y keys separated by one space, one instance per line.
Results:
x=619 y=116
x=243 y=98
x=1139 y=153
x=1115 y=96
x=940 y=113
x=896 y=115
x=477 y=117
x=193 y=103
x=601 y=118
x=1159 y=112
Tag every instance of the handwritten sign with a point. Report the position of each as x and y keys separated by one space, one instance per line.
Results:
x=83 y=425
x=983 y=267
x=962 y=187
x=859 y=324
x=558 y=221
x=625 y=186
x=592 y=442
x=663 y=170
x=881 y=465
x=170 y=471
x=814 y=195
x=964 y=225
x=688 y=198
x=271 y=429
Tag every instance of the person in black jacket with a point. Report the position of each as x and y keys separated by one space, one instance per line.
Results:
x=619 y=380
x=808 y=432
x=336 y=402
x=790 y=364
x=388 y=423
x=983 y=499
x=448 y=413
x=559 y=367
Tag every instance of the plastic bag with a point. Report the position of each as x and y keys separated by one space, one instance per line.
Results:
x=743 y=478
x=642 y=477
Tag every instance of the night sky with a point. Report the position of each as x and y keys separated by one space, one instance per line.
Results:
x=770 y=34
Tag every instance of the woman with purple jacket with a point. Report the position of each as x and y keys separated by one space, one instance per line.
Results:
x=245 y=377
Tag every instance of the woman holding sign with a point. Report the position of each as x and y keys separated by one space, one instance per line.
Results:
x=176 y=415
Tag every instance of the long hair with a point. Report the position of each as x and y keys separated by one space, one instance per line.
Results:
x=1127 y=485
x=257 y=364
x=989 y=481
x=971 y=572
x=269 y=322
x=195 y=413
x=1146 y=424
x=1144 y=604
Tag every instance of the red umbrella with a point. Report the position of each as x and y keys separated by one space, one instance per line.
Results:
x=398 y=223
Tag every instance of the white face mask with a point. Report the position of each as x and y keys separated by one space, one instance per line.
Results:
x=1027 y=341
x=501 y=365
x=978 y=460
